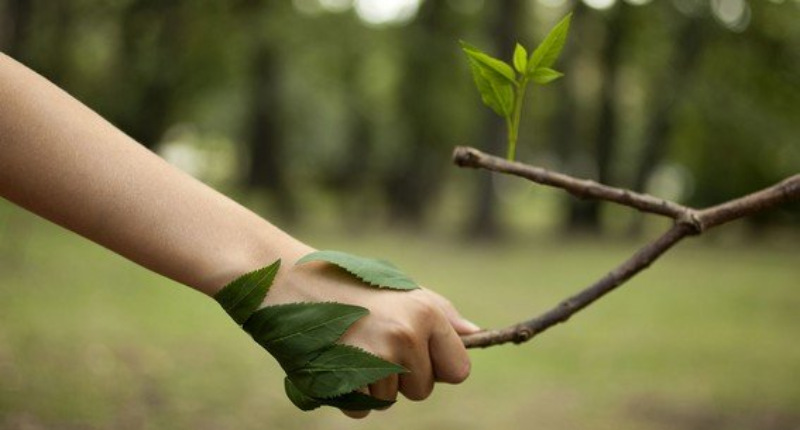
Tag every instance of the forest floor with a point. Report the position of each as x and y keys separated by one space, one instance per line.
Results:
x=706 y=338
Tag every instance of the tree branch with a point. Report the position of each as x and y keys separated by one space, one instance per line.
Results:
x=688 y=221
x=581 y=188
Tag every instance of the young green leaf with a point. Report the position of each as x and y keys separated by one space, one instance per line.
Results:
x=489 y=62
x=244 y=295
x=293 y=332
x=546 y=54
x=520 y=59
x=495 y=84
x=372 y=271
x=498 y=95
x=545 y=75
x=341 y=369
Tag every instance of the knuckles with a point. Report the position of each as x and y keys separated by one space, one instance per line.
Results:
x=403 y=335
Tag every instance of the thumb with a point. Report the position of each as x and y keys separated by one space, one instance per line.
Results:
x=460 y=324
x=463 y=325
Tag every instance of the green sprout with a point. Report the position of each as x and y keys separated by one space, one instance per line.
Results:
x=502 y=87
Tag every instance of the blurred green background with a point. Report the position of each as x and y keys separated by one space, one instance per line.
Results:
x=336 y=119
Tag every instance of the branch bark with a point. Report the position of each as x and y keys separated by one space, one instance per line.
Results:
x=688 y=222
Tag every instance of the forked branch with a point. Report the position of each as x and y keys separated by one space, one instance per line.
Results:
x=688 y=221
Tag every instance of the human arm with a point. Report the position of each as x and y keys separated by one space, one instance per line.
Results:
x=65 y=163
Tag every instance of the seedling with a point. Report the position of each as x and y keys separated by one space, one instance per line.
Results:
x=503 y=87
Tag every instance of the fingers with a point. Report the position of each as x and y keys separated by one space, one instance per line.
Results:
x=440 y=357
x=417 y=384
x=357 y=414
x=420 y=331
x=385 y=389
x=449 y=357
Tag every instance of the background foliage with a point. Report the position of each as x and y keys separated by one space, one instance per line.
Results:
x=360 y=104
x=336 y=118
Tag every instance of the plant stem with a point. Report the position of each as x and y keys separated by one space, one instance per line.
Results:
x=513 y=121
x=512 y=139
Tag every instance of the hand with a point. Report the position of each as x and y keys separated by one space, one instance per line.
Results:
x=417 y=329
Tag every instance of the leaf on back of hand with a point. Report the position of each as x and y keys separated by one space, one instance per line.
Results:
x=303 y=402
x=356 y=401
x=352 y=401
x=546 y=54
x=544 y=75
x=293 y=332
x=372 y=271
x=244 y=295
x=341 y=369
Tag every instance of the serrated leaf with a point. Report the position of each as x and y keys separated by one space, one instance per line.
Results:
x=352 y=401
x=520 y=58
x=244 y=295
x=303 y=402
x=546 y=54
x=357 y=401
x=293 y=332
x=341 y=369
x=487 y=61
x=544 y=75
x=372 y=271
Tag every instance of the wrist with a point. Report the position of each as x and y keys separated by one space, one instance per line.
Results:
x=262 y=247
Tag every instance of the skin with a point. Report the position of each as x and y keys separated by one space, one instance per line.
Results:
x=64 y=162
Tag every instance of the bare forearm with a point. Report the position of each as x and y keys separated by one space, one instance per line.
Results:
x=64 y=162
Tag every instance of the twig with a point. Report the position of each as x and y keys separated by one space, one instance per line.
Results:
x=688 y=221
x=582 y=188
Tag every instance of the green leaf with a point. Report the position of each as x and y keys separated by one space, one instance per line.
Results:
x=341 y=369
x=495 y=87
x=520 y=59
x=244 y=295
x=305 y=403
x=372 y=271
x=353 y=401
x=544 y=75
x=485 y=60
x=548 y=51
x=356 y=401
x=293 y=332
x=497 y=95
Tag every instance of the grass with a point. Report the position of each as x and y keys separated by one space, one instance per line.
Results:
x=706 y=338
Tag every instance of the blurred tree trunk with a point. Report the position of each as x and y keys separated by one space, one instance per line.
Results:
x=265 y=140
x=149 y=71
x=350 y=177
x=506 y=28
x=690 y=42
x=15 y=26
x=566 y=136
x=46 y=48
x=585 y=215
x=412 y=180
